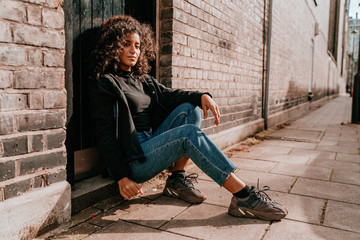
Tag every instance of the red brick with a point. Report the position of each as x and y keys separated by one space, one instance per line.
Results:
x=15 y=146
x=7 y=123
x=53 y=18
x=36 y=100
x=6 y=79
x=41 y=121
x=55 y=139
x=12 y=55
x=35 y=36
x=55 y=99
x=16 y=188
x=7 y=170
x=53 y=59
x=42 y=161
x=9 y=101
x=13 y=10
x=34 y=14
x=39 y=79
x=35 y=57
x=5 y=33
x=36 y=142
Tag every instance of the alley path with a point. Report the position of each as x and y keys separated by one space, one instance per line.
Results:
x=312 y=166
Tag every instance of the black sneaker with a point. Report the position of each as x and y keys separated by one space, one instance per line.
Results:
x=183 y=187
x=257 y=205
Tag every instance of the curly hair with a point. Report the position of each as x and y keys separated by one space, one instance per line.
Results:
x=111 y=41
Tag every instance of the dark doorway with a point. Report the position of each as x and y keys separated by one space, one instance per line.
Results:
x=82 y=19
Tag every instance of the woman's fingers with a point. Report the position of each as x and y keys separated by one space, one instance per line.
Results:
x=216 y=113
x=208 y=103
x=129 y=188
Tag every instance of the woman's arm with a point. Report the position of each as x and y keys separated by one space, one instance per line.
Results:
x=102 y=112
x=208 y=103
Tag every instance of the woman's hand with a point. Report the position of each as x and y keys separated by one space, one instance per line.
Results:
x=129 y=188
x=208 y=103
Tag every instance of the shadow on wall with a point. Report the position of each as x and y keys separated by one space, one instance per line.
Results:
x=79 y=128
x=294 y=96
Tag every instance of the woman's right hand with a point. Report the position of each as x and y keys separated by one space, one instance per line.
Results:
x=129 y=188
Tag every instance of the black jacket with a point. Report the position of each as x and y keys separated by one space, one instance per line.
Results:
x=118 y=140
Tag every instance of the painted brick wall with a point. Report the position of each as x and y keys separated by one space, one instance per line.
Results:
x=220 y=46
x=32 y=96
x=293 y=33
x=203 y=47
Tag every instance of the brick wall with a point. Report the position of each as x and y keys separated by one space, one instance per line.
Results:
x=220 y=46
x=203 y=47
x=32 y=96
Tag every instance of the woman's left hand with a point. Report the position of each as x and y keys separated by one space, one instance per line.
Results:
x=208 y=103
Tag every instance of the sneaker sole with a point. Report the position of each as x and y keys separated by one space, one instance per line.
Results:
x=179 y=195
x=247 y=213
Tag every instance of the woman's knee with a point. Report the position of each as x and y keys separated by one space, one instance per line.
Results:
x=194 y=113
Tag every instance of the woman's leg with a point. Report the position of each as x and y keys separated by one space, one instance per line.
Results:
x=185 y=113
x=170 y=146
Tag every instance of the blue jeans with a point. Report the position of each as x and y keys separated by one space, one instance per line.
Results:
x=178 y=136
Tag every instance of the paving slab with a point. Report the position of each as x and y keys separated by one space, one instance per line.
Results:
x=339 y=149
x=350 y=144
x=257 y=150
x=130 y=231
x=83 y=215
x=343 y=216
x=276 y=182
x=214 y=193
x=290 y=144
x=275 y=157
x=302 y=171
x=334 y=135
x=333 y=164
x=327 y=190
x=114 y=214
x=348 y=157
x=207 y=221
x=251 y=164
x=304 y=209
x=346 y=177
x=79 y=232
x=313 y=154
x=326 y=142
x=288 y=229
x=297 y=134
x=156 y=213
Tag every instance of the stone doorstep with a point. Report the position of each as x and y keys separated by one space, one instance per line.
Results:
x=93 y=191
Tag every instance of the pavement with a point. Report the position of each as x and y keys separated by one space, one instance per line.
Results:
x=312 y=166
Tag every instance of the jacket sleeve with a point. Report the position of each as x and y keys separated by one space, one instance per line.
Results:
x=174 y=97
x=102 y=112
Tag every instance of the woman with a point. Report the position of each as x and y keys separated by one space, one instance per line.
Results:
x=143 y=127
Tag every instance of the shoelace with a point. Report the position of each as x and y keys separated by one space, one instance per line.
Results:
x=260 y=193
x=190 y=178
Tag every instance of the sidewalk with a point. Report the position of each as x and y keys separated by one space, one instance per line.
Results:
x=312 y=166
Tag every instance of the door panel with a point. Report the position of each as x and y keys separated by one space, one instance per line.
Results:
x=82 y=19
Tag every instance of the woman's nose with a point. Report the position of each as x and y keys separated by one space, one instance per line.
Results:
x=132 y=48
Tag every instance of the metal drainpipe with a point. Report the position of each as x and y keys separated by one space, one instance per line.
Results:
x=267 y=79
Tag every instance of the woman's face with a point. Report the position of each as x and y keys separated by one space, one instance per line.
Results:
x=130 y=52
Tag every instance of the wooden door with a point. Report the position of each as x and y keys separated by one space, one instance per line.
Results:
x=82 y=19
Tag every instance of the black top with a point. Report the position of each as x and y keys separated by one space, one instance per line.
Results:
x=115 y=130
x=139 y=102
